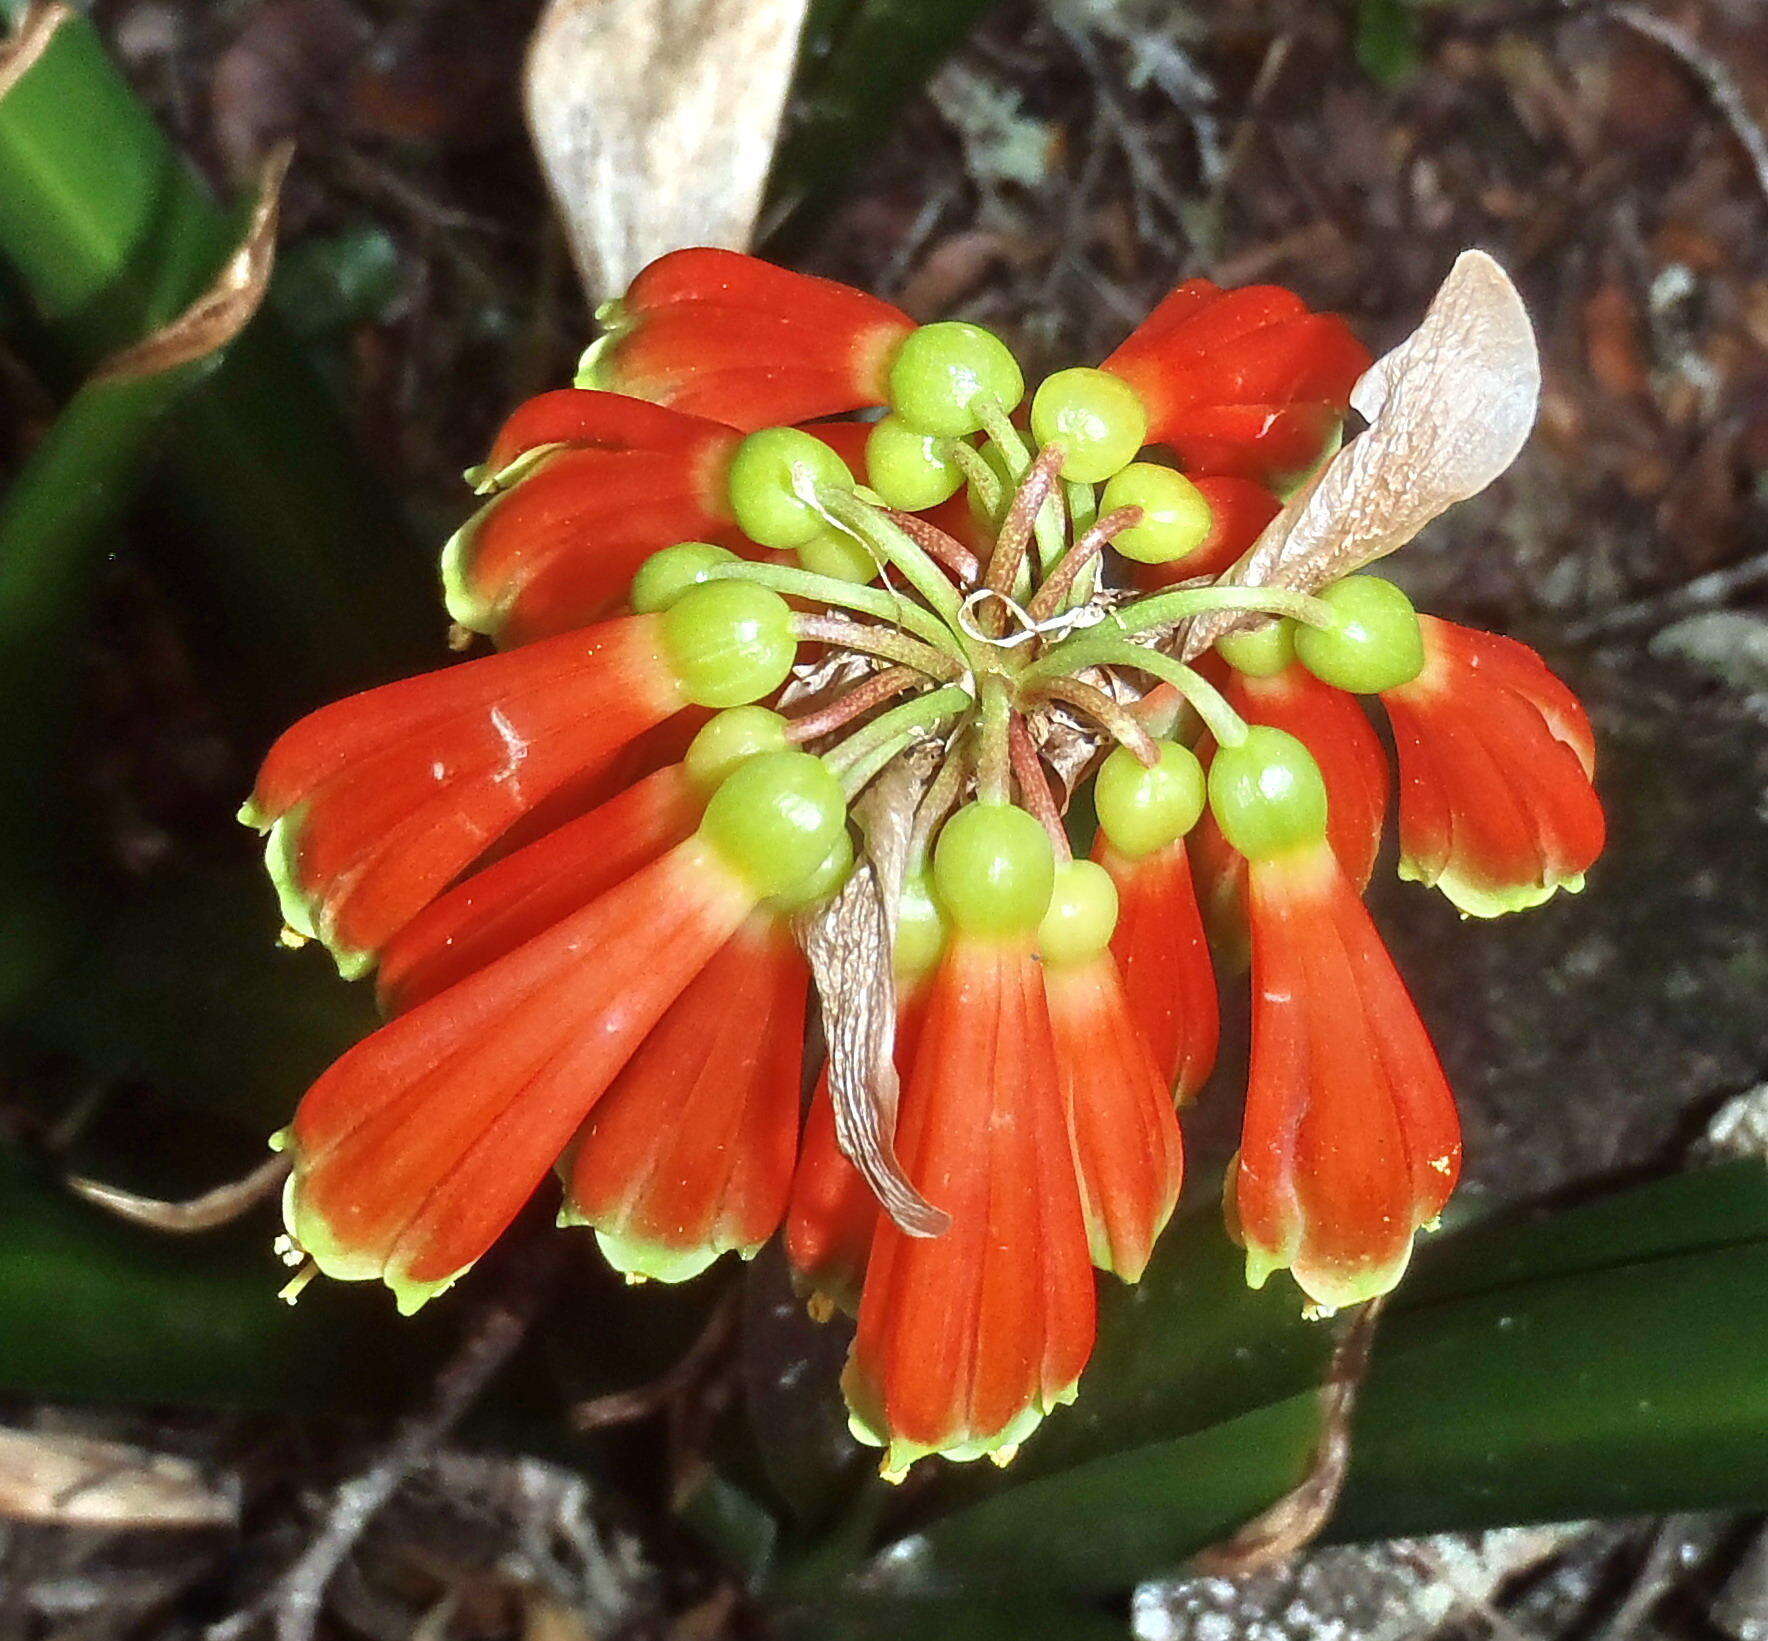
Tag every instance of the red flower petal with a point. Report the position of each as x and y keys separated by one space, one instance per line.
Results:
x=376 y=803
x=558 y=548
x=967 y=1339
x=1127 y=1149
x=1163 y=959
x=1242 y=382
x=689 y=1154
x=724 y=335
x=527 y=892
x=1496 y=805
x=418 y=1147
x=1351 y=1142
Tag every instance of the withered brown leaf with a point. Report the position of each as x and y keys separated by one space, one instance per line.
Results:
x=655 y=123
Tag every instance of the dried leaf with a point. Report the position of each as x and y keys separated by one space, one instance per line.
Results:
x=21 y=49
x=70 y=1481
x=848 y=945
x=227 y=306
x=1448 y=410
x=655 y=123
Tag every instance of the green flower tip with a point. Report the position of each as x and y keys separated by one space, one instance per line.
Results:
x=642 y=1259
x=1474 y=899
x=466 y=606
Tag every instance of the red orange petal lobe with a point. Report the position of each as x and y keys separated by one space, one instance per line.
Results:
x=376 y=803
x=690 y=1152
x=1351 y=1142
x=575 y=514
x=967 y=1339
x=525 y=893
x=1497 y=808
x=417 y=1148
x=1163 y=959
x=1127 y=1150
x=716 y=333
x=1243 y=382
x=833 y=1213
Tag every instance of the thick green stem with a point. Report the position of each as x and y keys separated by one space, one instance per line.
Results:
x=857 y=759
x=884 y=642
x=896 y=546
x=877 y=602
x=1168 y=609
x=994 y=759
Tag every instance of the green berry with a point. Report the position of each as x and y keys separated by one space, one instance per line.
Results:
x=730 y=642
x=909 y=469
x=1267 y=794
x=775 y=819
x=993 y=868
x=1176 y=519
x=1097 y=418
x=1376 y=644
x=728 y=739
x=773 y=481
x=1143 y=809
x=1082 y=915
x=920 y=926
x=666 y=575
x=940 y=371
x=825 y=881
x=834 y=552
x=1262 y=651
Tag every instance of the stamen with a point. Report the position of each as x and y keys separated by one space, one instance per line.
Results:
x=884 y=642
x=297 y=1284
x=1007 y=561
x=844 y=709
x=1034 y=785
x=945 y=550
x=1054 y=593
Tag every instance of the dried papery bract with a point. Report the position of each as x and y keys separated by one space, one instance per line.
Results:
x=655 y=122
x=1448 y=410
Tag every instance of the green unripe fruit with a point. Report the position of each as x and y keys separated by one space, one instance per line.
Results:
x=1097 y=418
x=909 y=469
x=825 y=881
x=833 y=552
x=666 y=575
x=730 y=642
x=1259 y=652
x=1376 y=644
x=1082 y=915
x=993 y=868
x=728 y=739
x=1267 y=794
x=1176 y=519
x=775 y=819
x=920 y=926
x=1142 y=809
x=941 y=370
x=773 y=481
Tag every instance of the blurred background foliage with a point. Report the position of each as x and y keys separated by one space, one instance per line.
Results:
x=189 y=559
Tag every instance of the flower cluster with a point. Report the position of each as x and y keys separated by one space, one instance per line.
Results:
x=781 y=694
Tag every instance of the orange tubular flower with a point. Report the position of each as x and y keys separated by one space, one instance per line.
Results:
x=1496 y=757
x=588 y=486
x=966 y=1340
x=689 y=1154
x=1244 y=382
x=1351 y=1142
x=1163 y=958
x=418 y=1147
x=375 y=803
x=718 y=334
x=1127 y=1149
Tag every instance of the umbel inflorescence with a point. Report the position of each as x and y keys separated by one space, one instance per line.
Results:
x=786 y=698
